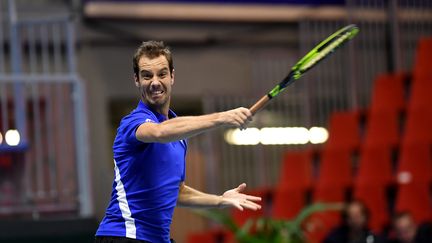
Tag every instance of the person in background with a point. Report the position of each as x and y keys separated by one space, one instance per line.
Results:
x=354 y=226
x=407 y=231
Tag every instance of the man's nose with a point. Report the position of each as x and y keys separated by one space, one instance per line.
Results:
x=155 y=81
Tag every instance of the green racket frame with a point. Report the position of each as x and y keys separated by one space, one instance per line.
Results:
x=319 y=53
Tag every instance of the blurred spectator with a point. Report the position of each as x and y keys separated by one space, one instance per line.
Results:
x=354 y=226
x=407 y=231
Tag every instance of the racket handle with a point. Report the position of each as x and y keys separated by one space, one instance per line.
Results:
x=259 y=104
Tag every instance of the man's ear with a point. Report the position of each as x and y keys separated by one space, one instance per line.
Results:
x=136 y=80
x=172 y=77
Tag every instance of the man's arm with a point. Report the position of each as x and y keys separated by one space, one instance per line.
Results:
x=184 y=127
x=189 y=197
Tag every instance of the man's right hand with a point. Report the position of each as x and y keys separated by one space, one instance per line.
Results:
x=239 y=117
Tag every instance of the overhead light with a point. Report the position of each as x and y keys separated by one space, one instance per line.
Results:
x=276 y=136
x=284 y=135
x=1 y=138
x=318 y=135
x=12 y=137
x=249 y=136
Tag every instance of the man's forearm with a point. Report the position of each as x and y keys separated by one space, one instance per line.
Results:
x=184 y=127
x=189 y=197
x=188 y=126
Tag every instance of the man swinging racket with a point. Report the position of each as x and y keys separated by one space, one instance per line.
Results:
x=149 y=157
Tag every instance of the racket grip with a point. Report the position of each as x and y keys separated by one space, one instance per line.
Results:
x=259 y=104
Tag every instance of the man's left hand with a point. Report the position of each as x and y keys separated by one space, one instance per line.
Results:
x=235 y=198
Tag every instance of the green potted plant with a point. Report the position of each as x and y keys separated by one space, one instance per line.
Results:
x=265 y=230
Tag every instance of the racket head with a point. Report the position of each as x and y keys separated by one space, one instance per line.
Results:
x=317 y=54
x=324 y=49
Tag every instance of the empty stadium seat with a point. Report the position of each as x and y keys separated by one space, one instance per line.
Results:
x=329 y=194
x=287 y=202
x=419 y=97
x=210 y=236
x=240 y=217
x=415 y=163
x=418 y=127
x=382 y=129
x=422 y=65
x=375 y=167
x=228 y=237
x=388 y=93
x=344 y=131
x=296 y=172
x=335 y=169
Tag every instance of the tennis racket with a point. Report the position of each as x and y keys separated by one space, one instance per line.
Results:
x=320 y=52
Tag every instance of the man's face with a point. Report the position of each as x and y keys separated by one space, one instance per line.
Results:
x=356 y=218
x=405 y=229
x=155 y=81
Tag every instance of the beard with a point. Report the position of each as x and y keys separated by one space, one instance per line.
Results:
x=156 y=101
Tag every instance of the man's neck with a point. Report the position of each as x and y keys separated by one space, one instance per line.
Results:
x=164 y=109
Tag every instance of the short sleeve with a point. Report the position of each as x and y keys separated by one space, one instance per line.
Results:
x=131 y=123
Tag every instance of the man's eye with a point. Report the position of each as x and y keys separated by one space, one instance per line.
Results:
x=146 y=76
x=162 y=75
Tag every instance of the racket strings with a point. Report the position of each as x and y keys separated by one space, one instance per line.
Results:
x=327 y=50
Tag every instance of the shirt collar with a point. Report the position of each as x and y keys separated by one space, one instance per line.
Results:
x=160 y=117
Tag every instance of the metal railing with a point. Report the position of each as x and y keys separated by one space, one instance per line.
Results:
x=42 y=97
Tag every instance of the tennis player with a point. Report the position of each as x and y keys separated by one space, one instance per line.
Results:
x=149 y=157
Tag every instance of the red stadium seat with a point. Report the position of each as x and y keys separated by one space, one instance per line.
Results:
x=320 y=224
x=415 y=198
x=287 y=203
x=374 y=197
x=382 y=129
x=344 y=131
x=418 y=127
x=420 y=95
x=422 y=65
x=415 y=164
x=375 y=167
x=329 y=194
x=419 y=115
x=388 y=93
x=240 y=217
x=228 y=237
x=210 y=236
x=335 y=169
x=296 y=170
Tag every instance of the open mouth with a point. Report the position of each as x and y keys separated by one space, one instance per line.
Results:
x=157 y=93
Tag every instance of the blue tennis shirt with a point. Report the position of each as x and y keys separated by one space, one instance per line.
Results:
x=146 y=182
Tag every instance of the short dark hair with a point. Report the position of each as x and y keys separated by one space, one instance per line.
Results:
x=152 y=49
